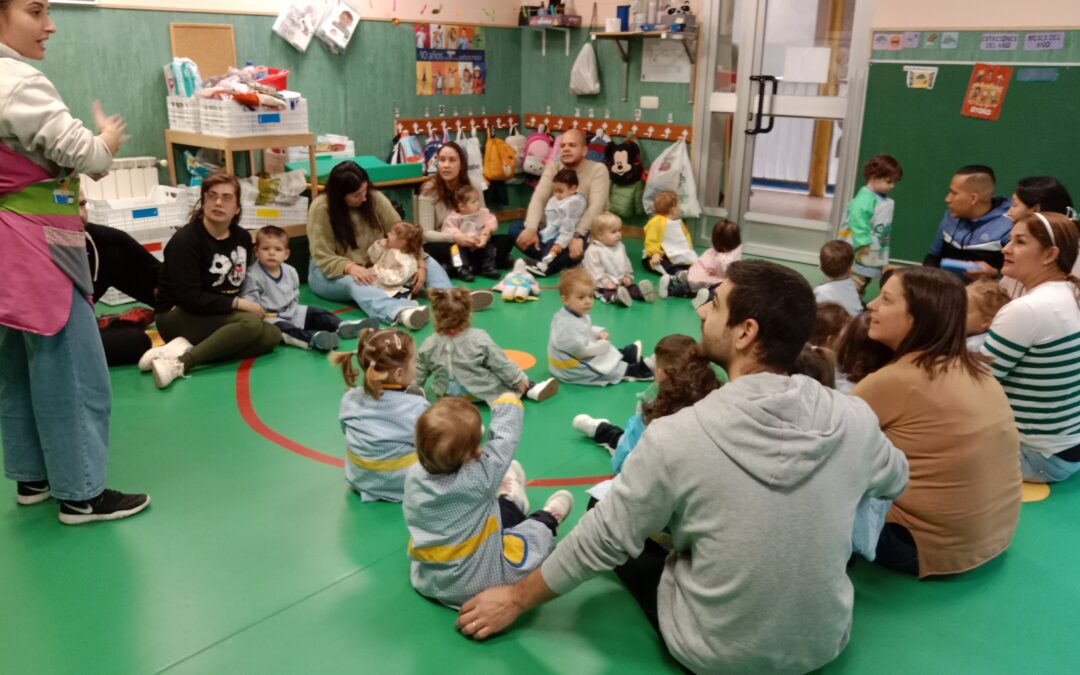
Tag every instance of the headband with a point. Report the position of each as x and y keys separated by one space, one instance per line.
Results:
x=1049 y=230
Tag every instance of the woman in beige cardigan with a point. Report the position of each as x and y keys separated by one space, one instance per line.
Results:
x=941 y=406
x=436 y=202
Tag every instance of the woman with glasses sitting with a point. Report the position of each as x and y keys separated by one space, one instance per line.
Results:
x=199 y=309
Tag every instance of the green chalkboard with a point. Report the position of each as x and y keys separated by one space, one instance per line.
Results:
x=1035 y=135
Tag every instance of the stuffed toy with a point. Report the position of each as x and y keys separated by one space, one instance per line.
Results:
x=519 y=285
x=677 y=7
x=623 y=161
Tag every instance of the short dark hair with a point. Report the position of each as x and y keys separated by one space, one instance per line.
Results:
x=566 y=177
x=818 y=364
x=782 y=303
x=213 y=180
x=975 y=169
x=836 y=258
x=882 y=166
x=1044 y=192
x=830 y=320
x=726 y=236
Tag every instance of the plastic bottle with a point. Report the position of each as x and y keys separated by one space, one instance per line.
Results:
x=650 y=12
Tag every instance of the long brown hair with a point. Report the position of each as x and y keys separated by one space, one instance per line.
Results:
x=345 y=179
x=937 y=303
x=379 y=353
x=688 y=377
x=439 y=188
x=211 y=181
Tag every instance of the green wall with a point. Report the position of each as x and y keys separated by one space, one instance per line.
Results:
x=924 y=129
x=352 y=93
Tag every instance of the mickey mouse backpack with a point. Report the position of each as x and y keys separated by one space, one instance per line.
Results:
x=623 y=161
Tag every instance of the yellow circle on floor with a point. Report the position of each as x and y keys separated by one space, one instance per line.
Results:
x=524 y=360
x=1035 y=492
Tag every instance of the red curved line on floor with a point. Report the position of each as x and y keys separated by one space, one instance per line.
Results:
x=247 y=411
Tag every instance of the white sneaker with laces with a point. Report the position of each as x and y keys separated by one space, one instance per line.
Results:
x=588 y=425
x=650 y=361
x=348 y=330
x=622 y=296
x=647 y=291
x=682 y=276
x=513 y=486
x=167 y=369
x=543 y=390
x=560 y=505
x=172 y=349
x=414 y=317
x=701 y=298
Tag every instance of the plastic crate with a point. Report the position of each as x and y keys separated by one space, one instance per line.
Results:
x=254 y=217
x=183 y=113
x=151 y=220
x=229 y=118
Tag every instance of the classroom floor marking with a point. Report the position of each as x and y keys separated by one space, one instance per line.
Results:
x=524 y=360
x=1035 y=492
x=251 y=418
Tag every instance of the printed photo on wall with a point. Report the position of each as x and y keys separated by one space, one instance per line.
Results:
x=337 y=27
x=986 y=91
x=457 y=67
x=297 y=22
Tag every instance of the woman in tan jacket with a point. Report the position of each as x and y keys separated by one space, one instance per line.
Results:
x=941 y=406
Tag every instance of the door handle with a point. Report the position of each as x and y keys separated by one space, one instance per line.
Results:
x=761 y=80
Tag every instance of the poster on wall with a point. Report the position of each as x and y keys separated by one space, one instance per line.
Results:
x=298 y=21
x=449 y=60
x=986 y=91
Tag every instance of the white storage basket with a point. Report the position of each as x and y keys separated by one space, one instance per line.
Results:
x=183 y=113
x=228 y=118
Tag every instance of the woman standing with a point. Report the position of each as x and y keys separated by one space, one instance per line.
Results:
x=437 y=202
x=199 y=308
x=940 y=405
x=1033 y=341
x=55 y=396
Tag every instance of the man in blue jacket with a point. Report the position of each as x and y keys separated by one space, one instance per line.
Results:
x=974 y=227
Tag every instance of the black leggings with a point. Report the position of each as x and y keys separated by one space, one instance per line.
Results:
x=440 y=250
x=896 y=549
x=511 y=515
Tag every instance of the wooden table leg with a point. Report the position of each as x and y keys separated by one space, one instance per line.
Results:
x=169 y=156
x=314 y=176
x=230 y=168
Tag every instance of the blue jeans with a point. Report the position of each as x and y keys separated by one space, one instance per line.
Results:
x=869 y=520
x=371 y=300
x=55 y=400
x=1038 y=468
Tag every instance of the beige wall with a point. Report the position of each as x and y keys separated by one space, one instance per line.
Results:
x=487 y=12
x=976 y=14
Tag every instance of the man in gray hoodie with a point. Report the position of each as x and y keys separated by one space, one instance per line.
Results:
x=758 y=484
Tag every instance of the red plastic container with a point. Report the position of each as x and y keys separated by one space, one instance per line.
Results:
x=277 y=78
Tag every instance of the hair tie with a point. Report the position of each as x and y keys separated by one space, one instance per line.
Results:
x=1071 y=214
x=1049 y=230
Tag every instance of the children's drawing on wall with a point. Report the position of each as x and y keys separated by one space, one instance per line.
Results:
x=297 y=22
x=338 y=25
x=456 y=60
x=986 y=91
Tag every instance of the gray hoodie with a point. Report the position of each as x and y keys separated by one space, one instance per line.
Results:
x=758 y=483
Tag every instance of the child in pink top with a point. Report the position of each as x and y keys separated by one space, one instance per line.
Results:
x=710 y=269
x=477 y=222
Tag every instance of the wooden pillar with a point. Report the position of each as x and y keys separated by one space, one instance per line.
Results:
x=819 y=155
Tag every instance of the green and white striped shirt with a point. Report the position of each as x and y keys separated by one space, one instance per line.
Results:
x=1035 y=343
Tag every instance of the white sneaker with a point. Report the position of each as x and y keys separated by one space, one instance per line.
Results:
x=543 y=390
x=537 y=269
x=700 y=298
x=650 y=361
x=622 y=296
x=348 y=330
x=294 y=341
x=513 y=486
x=166 y=369
x=172 y=349
x=560 y=505
x=640 y=351
x=665 y=284
x=481 y=300
x=414 y=317
x=647 y=291
x=324 y=341
x=588 y=425
x=682 y=276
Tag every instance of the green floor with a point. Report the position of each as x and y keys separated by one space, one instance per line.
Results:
x=254 y=559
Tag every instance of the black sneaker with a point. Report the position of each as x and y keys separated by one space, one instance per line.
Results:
x=109 y=505
x=638 y=372
x=32 y=492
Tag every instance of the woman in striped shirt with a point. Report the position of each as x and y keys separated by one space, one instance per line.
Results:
x=1035 y=340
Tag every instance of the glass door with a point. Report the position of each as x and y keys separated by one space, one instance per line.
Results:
x=772 y=147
